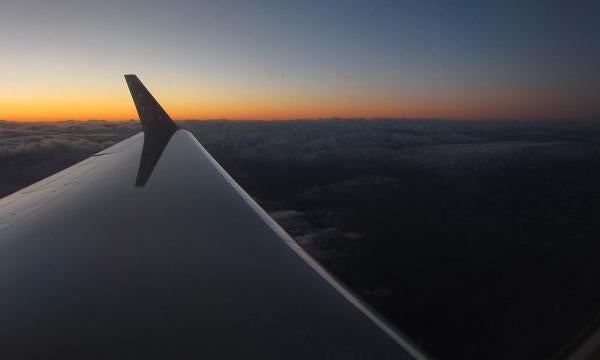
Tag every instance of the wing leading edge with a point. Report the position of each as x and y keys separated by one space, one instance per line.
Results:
x=188 y=265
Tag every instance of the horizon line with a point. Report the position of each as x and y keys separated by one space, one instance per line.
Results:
x=332 y=118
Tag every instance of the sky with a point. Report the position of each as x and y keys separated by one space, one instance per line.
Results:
x=480 y=59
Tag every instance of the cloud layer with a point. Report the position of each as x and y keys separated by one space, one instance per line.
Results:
x=418 y=217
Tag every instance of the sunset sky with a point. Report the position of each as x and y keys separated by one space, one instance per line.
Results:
x=481 y=59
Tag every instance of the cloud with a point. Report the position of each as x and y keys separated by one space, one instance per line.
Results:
x=32 y=151
x=30 y=146
x=68 y=137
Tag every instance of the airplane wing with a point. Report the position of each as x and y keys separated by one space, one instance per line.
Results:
x=149 y=249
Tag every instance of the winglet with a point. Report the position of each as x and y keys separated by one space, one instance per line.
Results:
x=154 y=119
x=158 y=128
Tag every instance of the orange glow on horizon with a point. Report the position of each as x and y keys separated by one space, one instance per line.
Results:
x=240 y=105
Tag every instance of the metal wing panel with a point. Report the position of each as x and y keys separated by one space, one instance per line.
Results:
x=184 y=266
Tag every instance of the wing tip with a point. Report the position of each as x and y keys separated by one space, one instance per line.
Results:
x=155 y=121
x=129 y=78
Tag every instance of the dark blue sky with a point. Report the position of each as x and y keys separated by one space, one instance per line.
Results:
x=286 y=59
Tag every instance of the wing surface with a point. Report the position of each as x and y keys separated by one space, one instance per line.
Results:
x=98 y=261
